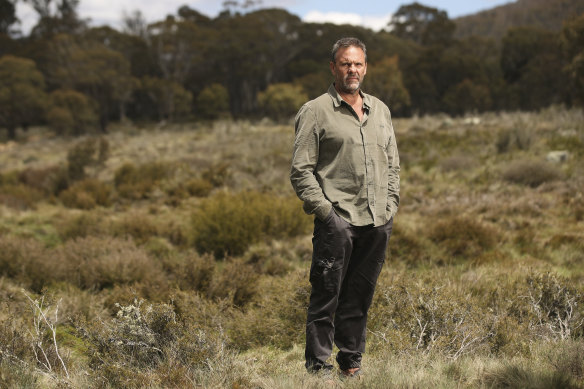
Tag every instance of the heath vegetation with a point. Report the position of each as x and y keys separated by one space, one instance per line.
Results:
x=179 y=256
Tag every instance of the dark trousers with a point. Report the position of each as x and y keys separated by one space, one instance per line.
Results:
x=346 y=262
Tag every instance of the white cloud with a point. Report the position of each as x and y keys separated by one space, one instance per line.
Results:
x=374 y=22
x=110 y=12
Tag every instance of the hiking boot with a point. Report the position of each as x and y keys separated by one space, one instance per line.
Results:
x=354 y=372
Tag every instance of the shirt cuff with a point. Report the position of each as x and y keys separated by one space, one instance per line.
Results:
x=323 y=211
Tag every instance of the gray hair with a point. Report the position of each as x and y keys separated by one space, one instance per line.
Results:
x=347 y=42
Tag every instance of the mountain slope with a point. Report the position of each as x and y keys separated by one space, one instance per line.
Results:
x=495 y=22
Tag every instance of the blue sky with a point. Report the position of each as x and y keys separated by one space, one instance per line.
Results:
x=371 y=14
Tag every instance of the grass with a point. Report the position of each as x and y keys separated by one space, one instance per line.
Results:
x=179 y=258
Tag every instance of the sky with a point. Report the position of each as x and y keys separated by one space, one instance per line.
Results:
x=366 y=13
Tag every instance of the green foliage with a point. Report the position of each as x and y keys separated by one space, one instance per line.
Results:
x=229 y=223
x=170 y=98
x=94 y=70
x=282 y=101
x=467 y=97
x=384 y=81
x=531 y=173
x=71 y=113
x=421 y=24
x=571 y=39
x=213 y=101
x=22 y=95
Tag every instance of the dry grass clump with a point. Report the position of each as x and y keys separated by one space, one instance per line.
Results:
x=530 y=172
x=517 y=138
x=228 y=223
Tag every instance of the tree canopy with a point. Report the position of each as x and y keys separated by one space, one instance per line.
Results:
x=250 y=61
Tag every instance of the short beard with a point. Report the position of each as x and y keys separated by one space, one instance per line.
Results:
x=348 y=88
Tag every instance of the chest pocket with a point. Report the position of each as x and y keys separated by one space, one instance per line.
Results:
x=382 y=133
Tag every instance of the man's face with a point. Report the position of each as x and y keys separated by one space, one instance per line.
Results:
x=349 y=69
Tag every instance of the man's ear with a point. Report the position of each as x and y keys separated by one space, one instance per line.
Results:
x=332 y=67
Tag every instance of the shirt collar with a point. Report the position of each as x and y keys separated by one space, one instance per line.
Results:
x=338 y=100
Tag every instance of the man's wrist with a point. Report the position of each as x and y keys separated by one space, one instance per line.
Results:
x=323 y=211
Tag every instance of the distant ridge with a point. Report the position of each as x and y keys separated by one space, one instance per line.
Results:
x=494 y=23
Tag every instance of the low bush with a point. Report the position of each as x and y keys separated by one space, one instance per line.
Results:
x=235 y=281
x=278 y=318
x=137 y=226
x=229 y=223
x=49 y=180
x=20 y=196
x=199 y=187
x=531 y=173
x=87 y=194
x=136 y=182
x=85 y=154
x=463 y=237
x=24 y=260
x=81 y=225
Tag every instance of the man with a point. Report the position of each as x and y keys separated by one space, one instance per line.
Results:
x=345 y=169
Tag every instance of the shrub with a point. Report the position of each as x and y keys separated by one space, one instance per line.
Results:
x=463 y=237
x=136 y=182
x=20 y=196
x=407 y=246
x=87 y=194
x=97 y=263
x=197 y=273
x=91 y=152
x=556 y=308
x=199 y=187
x=279 y=317
x=22 y=259
x=282 y=101
x=71 y=113
x=81 y=226
x=49 y=180
x=236 y=281
x=518 y=138
x=217 y=174
x=213 y=101
x=531 y=173
x=136 y=226
x=230 y=223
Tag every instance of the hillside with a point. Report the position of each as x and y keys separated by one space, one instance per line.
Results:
x=495 y=22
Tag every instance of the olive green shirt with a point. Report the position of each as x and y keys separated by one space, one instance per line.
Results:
x=345 y=163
